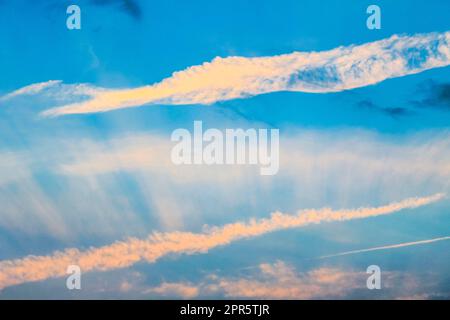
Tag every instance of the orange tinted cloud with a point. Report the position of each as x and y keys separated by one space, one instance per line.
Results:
x=228 y=78
x=123 y=254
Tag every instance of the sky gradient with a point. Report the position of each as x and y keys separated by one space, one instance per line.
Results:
x=86 y=176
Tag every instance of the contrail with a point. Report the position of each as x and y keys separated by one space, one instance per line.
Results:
x=394 y=246
x=122 y=254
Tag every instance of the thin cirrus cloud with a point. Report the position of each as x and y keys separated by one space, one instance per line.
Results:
x=126 y=253
x=394 y=246
x=280 y=280
x=31 y=89
x=355 y=167
x=342 y=68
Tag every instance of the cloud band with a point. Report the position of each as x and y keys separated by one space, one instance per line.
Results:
x=126 y=253
x=343 y=68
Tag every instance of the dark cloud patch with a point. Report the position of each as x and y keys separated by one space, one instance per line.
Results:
x=394 y=112
x=130 y=7
x=434 y=95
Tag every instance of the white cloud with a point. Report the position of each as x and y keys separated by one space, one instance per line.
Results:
x=343 y=68
x=23 y=200
x=350 y=164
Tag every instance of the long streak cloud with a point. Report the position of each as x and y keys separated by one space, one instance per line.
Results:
x=343 y=68
x=126 y=253
x=394 y=246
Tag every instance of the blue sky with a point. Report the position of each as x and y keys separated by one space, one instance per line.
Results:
x=73 y=181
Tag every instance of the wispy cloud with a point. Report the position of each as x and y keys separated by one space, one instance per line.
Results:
x=228 y=78
x=355 y=167
x=394 y=246
x=281 y=280
x=126 y=253
x=177 y=289
x=277 y=280
x=352 y=164
x=31 y=89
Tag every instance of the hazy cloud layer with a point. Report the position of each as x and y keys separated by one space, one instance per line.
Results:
x=281 y=280
x=355 y=167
